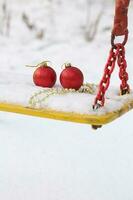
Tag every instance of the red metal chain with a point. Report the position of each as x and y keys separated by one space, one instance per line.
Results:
x=104 y=84
x=123 y=75
x=116 y=52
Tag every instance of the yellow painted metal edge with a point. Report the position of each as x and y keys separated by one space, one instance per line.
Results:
x=67 y=116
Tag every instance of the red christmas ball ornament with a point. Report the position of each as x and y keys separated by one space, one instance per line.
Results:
x=44 y=75
x=71 y=77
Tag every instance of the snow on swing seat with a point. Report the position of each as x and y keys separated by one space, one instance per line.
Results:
x=70 y=106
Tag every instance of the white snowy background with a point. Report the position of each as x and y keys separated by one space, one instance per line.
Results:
x=53 y=160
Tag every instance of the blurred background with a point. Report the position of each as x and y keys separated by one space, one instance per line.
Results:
x=49 y=160
x=77 y=31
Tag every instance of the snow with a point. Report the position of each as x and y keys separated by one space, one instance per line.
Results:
x=48 y=159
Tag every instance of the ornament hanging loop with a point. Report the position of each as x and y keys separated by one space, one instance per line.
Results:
x=113 y=37
x=44 y=63
x=66 y=64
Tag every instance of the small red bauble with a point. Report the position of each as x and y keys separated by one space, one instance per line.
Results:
x=44 y=76
x=71 y=77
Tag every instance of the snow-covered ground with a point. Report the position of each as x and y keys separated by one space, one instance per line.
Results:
x=53 y=160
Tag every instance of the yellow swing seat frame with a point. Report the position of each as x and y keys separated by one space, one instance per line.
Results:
x=95 y=120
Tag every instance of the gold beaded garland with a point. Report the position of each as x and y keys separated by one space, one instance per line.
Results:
x=39 y=97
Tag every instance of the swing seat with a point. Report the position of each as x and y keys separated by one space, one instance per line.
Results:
x=73 y=107
x=93 y=119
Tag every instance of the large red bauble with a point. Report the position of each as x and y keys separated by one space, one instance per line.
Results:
x=44 y=76
x=71 y=78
